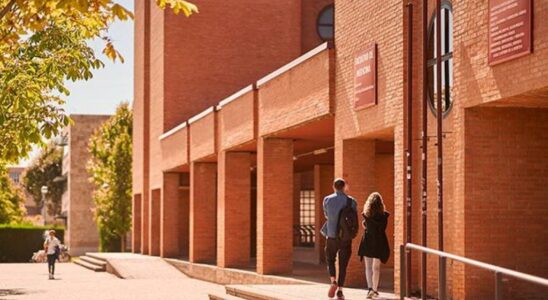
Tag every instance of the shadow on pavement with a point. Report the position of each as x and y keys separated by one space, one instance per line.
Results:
x=11 y=292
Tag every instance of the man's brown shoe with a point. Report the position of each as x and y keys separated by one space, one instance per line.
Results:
x=332 y=290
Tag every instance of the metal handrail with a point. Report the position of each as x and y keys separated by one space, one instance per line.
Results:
x=499 y=271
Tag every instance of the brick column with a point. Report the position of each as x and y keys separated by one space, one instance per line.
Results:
x=154 y=223
x=136 y=224
x=323 y=186
x=296 y=205
x=274 y=206
x=233 y=209
x=184 y=203
x=358 y=169
x=170 y=216
x=145 y=218
x=203 y=215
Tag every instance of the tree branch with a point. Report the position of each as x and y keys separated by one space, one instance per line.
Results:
x=6 y=9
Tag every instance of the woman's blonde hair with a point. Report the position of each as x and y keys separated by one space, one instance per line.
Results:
x=374 y=205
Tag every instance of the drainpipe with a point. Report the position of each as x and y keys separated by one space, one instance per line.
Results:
x=439 y=117
x=409 y=151
x=424 y=145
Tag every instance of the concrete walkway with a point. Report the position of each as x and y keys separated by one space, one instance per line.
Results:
x=137 y=266
x=30 y=281
x=298 y=292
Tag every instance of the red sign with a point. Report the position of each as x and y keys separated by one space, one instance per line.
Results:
x=510 y=29
x=365 y=78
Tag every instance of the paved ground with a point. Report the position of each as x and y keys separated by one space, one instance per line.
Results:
x=30 y=281
x=302 y=292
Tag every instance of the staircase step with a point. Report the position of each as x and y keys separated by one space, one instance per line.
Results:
x=222 y=297
x=244 y=294
x=94 y=261
x=96 y=256
x=90 y=266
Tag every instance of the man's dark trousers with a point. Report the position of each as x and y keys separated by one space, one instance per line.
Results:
x=344 y=249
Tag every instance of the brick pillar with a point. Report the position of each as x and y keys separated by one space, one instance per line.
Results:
x=296 y=205
x=358 y=169
x=154 y=223
x=136 y=224
x=145 y=206
x=323 y=186
x=274 y=206
x=233 y=209
x=203 y=212
x=184 y=203
x=170 y=216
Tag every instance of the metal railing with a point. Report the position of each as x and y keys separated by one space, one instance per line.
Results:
x=305 y=235
x=498 y=271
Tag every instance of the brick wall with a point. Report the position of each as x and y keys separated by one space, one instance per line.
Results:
x=286 y=102
x=478 y=83
x=237 y=121
x=203 y=140
x=505 y=197
x=175 y=150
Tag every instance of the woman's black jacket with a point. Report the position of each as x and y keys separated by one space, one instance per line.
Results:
x=374 y=242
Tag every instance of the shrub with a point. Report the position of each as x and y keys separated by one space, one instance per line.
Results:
x=19 y=242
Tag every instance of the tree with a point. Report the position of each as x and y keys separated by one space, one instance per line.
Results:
x=110 y=170
x=43 y=44
x=11 y=200
x=43 y=170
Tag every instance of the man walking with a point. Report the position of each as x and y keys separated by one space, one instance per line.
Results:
x=340 y=228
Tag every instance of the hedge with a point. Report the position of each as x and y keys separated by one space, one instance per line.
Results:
x=19 y=242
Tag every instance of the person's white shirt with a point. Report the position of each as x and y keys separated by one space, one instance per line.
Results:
x=50 y=243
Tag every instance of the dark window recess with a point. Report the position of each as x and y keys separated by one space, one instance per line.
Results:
x=325 y=24
x=446 y=60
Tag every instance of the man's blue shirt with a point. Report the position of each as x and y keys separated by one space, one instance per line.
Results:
x=332 y=206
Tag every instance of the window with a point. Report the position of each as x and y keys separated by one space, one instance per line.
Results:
x=305 y=230
x=446 y=60
x=307 y=207
x=325 y=23
x=14 y=177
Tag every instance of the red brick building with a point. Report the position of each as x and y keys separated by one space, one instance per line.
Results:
x=245 y=113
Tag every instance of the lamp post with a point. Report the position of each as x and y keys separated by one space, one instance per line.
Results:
x=44 y=191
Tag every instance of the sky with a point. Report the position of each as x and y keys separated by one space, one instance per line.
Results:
x=113 y=83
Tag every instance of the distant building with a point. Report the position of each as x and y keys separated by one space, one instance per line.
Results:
x=77 y=204
x=15 y=174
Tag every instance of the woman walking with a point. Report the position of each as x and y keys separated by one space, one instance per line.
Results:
x=52 y=246
x=374 y=244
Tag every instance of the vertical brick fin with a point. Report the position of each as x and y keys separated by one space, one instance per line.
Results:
x=233 y=209
x=274 y=206
x=203 y=212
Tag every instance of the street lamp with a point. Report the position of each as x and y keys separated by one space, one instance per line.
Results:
x=44 y=191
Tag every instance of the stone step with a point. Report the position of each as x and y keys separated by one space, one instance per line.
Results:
x=223 y=297
x=245 y=294
x=94 y=261
x=90 y=266
x=96 y=256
